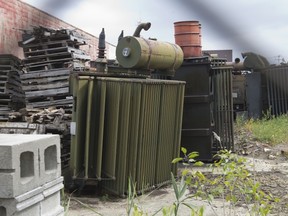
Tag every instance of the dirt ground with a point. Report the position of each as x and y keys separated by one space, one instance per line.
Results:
x=271 y=167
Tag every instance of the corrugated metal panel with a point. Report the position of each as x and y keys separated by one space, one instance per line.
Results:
x=277 y=90
x=223 y=106
x=79 y=89
x=97 y=128
x=111 y=132
x=131 y=129
x=134 y=122
x=169 y=137
x=149 y=121
x=123 y=126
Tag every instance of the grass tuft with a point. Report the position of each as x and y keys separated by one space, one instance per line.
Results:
x=272 y=130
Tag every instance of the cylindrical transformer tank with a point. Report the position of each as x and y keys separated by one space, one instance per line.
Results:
x=140 y=53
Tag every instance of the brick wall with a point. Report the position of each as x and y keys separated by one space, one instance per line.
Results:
x=15 y=14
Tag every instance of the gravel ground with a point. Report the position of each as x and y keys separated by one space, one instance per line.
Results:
x=271 y=170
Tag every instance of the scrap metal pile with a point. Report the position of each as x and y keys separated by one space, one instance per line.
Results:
x=11 y=94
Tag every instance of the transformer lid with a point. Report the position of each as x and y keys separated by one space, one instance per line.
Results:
x=128 y=52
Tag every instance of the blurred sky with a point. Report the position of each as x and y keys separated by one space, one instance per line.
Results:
x=259 y=26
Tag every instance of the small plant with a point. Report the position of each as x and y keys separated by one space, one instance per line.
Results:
x=180 y=189
x=238 y=185
x=65 y=201
x=180 y=192
x=230 y=181
x=182 y=199
x=132 y=208
x=233 y=183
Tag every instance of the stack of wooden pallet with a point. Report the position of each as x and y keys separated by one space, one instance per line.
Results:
x=46 y=48
x=11 y=94
x=50 y=56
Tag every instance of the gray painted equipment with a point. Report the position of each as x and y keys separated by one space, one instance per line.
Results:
x=207 y=106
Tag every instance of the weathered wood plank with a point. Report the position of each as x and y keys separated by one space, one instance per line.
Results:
x=54 y=86
x=42 y=104
x=36 y=64
x=21 y=127
x=50 y=73
x=44 y=80
x=49 y=92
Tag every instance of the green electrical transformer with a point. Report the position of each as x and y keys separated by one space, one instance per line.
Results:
x=127 y=126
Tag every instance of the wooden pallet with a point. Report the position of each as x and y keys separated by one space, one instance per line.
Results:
x=47 y=58
x=11 y=93
x=48 y=51
x=4 y=113
x=10 y=61
x=66 y=103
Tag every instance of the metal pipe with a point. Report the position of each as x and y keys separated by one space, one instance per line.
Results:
x=237 y=65
x=251 y=61
x=141 y=26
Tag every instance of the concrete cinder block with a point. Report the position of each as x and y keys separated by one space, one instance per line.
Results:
x=22 y=160
x=50 y=160
x=25 y=204
x=6 y=185
x=53 y=186
x=5 y=155
x=18 y=166
x=51 y=205
x=32 y=210
x=41 y=201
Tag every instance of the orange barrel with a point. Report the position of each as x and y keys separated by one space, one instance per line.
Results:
x=191 y=50
x=188 y=37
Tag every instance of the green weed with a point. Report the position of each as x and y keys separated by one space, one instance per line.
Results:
x=235 y=185
x=272 y=130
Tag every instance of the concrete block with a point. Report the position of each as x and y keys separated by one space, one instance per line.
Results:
x=29 y=211
x=25 y=204
x=61 y=213
x=41 y=201
x=51 y=205
x=6 y=185
x=52 y=186
x=19 y=171
x=22 y=158
x=32 y=210
x=50 y=160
